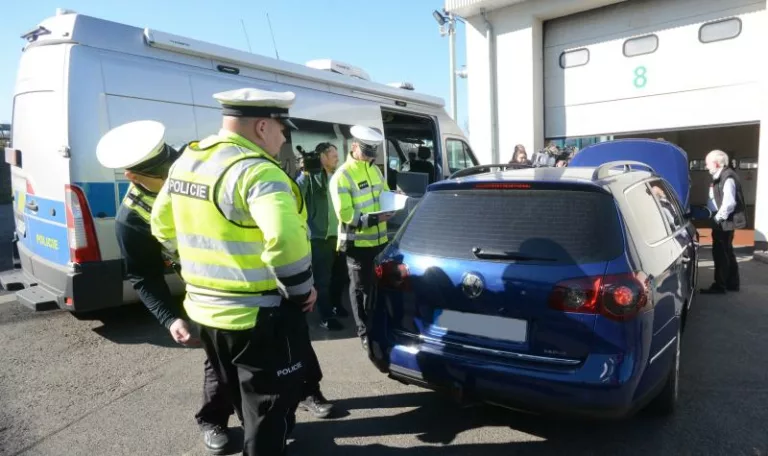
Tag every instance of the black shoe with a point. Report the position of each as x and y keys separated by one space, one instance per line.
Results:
x=331 y=324
x=317 y=405
x=216 y=439
x=713 y=289
x=340 y=312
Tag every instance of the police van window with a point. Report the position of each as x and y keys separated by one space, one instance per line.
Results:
x=459 y=155
x=302 y=142
x=178 y=119
x=394 y=158
x=646 y=213
x=667 y=205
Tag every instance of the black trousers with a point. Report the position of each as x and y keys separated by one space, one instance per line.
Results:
x=339 y=278
x=313 y=375
x=330 y=273
x=360 y=267
x=217 y=405
x=726 y=266
x=264 y=370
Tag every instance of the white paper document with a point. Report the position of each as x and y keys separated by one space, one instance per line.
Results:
x=391 y=202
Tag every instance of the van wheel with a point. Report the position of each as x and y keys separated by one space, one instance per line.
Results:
x=665 y=402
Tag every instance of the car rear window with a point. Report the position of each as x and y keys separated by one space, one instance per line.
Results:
x=564 y=226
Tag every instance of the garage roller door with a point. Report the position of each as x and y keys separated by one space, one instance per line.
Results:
x=653 y=65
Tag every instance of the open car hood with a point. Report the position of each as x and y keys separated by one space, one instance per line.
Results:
x=668 y=160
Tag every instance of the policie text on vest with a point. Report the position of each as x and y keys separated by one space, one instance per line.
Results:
x=193 y=190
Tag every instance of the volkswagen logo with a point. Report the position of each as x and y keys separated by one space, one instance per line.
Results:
x=472 y=285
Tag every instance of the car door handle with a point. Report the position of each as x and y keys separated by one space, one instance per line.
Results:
x=32 y=206
x=685 y=259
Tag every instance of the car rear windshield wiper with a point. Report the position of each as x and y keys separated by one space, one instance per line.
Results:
x=502 y=255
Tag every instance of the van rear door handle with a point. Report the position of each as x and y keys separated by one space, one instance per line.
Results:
x=32 y=206
x=685 y=259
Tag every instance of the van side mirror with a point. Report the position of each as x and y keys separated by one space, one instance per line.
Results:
x=698 y=212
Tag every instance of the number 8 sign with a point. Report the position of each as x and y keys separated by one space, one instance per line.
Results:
x=640 y=78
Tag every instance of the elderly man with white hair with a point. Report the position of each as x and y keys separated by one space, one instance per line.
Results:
x=726 y=201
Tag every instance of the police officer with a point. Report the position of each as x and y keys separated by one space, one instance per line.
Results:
x=238 y=223
x=355 y=191
x=139 y=148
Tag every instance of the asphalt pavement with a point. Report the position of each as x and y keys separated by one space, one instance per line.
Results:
x=118 y=385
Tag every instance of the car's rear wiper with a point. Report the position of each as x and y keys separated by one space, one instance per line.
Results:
x=502 y=255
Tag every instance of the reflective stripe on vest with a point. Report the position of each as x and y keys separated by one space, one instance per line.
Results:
x=364 y=200
x=140 y=202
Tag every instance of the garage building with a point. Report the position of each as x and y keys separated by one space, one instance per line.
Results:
x=583 y=71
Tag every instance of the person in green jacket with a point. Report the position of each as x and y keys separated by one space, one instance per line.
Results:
x=328 y=265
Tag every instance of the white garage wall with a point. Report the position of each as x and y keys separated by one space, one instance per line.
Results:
x=687 y=83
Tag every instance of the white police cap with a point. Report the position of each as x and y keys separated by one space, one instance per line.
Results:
x=366 y=135
x=131 y=144
x=250 y=102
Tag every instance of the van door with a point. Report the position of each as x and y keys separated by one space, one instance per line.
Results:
x=40 y=172
x=412 y=158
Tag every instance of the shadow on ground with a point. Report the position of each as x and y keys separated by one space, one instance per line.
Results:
x=131 y=324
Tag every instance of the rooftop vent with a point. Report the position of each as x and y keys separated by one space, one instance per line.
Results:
x=339 y=67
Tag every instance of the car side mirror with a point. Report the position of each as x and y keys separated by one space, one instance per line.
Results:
x=698 y=212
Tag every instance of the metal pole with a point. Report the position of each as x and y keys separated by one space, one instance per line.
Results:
x=452 y=51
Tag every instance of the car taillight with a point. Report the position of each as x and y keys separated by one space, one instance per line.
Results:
x=83 y=244
x=619 y=297
x=502 y=186
x=393 y=275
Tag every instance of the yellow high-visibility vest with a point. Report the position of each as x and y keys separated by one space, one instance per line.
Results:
x=238 y=224
x=355 y=191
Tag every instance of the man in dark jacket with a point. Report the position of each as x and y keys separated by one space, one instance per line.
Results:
x=313 y=182
x=328 y=265
x=726 y=201
x=140 y=149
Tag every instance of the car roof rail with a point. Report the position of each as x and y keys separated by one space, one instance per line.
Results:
x=482 y=169
x=602 y=170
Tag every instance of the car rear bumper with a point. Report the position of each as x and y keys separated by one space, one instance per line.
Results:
x=89 y=286
x=601 y=386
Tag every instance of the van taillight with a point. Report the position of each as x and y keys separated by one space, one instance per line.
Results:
x=393 y=275
x=619 y=297
x=83 y=245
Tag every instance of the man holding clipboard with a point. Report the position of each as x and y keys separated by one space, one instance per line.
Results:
x=358 y=192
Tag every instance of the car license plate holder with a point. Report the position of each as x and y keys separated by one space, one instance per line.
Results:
x=488 y=326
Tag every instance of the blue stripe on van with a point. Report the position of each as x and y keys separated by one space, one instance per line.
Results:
x=45 y=232
x=122 y=189
x=101 y=198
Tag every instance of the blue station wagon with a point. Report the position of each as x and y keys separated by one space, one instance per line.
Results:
x=558 y=290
